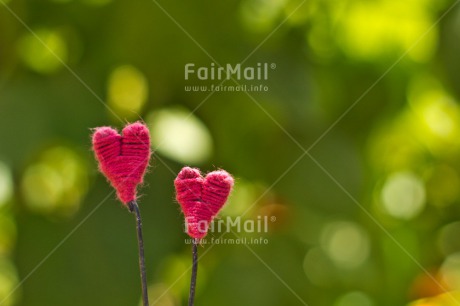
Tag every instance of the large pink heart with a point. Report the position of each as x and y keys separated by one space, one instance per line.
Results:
x=124 y=158
x=201 y=198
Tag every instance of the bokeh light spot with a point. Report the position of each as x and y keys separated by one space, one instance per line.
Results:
x=173 y=268
x=8 y=282
x=298 y=11
x=450 y=271
x=443 y=185
x=346 y=244
x=41 y=186
x=162 y=296
x=394 y=147
x=318 y=268
x=179 y=135
x=354 y=298
x=7 y=233
x=96 y=2
x=62 y=1
x=43 y=51
x=320 y=42
x=243 y=196
x=436 y=119
x=173 y=276
x=6 y=184
x=403 y=195
x=127 y=91
x=56 y=182
x=260 y=15
x=451 y=298
x=372 y=30
x=448 y=238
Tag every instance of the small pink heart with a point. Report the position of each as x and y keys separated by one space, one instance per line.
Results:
x=200 y=198
x=124 y=158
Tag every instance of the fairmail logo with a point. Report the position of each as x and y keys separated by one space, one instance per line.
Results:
x=227 y=72
x=239 y=225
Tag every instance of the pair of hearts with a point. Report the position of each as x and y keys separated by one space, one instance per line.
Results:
x=124 y=158
x=201 y=198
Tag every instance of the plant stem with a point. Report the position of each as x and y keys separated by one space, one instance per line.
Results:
x=191 y=297
x=134 y=208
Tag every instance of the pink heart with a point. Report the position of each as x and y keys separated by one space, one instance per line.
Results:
x=123 y=158
x=200 y=198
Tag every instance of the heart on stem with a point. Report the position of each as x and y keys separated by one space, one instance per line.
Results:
x=124 y=158
x=201 y=198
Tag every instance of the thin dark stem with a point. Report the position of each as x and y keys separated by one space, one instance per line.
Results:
x=134 y=208
x=191 y=297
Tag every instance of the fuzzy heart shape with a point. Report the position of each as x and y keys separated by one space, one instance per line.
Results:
x=124 y=158
x=201 y=198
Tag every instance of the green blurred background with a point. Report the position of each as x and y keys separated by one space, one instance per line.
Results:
x=354 y=148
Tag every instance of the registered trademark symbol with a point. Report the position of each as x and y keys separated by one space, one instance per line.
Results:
x=273 y=66
x=272 y=218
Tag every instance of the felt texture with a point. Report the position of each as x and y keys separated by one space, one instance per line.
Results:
x=201 y=198
x=123 y=159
